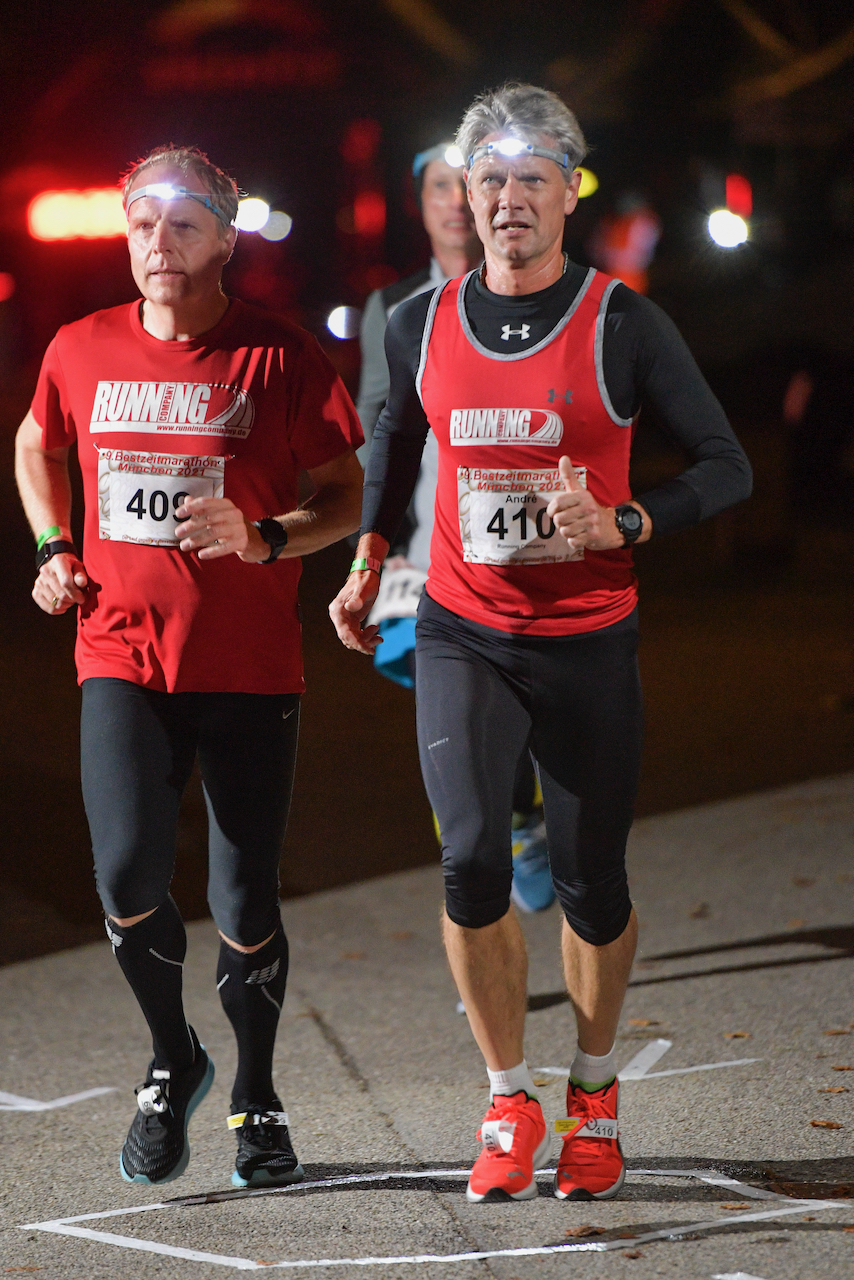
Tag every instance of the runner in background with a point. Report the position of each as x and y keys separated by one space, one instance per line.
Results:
x=193 y=415
x=623 y=243
x=455 y=248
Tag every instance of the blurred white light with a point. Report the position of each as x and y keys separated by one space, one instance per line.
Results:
x=727 y=229
x=510 y=146
x=454 y=157
x=343 y=322
x=252 y=214
x=278 y=226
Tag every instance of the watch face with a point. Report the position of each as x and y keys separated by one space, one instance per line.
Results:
x=631 y=519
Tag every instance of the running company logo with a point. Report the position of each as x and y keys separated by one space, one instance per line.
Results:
x=188 y=408
x=506 y=426
x=522 y=332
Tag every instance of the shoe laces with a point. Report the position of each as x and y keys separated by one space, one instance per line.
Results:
x=152 y=1098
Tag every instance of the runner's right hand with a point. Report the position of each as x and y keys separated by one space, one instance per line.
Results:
x=351 y=606
x=61 y=583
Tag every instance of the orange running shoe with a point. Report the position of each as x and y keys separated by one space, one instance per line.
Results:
x=515 y=1143
x=591 y=1165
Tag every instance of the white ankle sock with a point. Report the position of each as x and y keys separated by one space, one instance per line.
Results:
x=510 y=1082
x=593 y=1073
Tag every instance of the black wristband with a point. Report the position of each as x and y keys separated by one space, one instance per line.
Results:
x=54 y=549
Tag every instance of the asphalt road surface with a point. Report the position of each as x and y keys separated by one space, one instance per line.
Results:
x=737 y=1044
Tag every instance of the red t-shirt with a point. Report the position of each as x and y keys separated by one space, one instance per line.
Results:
x=237 y=412
x=502 y=423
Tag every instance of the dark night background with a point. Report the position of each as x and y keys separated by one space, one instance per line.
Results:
x=318 y=108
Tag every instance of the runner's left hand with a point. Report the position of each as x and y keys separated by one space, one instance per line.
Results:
x=578 y=516
x=215 y=527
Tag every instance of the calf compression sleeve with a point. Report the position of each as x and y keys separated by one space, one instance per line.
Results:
x=151 y=956
x=252 y=989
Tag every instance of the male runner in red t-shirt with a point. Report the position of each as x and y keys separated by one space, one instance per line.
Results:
x=193 y=415
x=531 y=373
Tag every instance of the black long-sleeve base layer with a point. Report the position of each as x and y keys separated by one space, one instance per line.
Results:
x=645 y=360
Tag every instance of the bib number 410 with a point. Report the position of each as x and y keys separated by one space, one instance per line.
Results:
x=543 y=522
x=158 y=504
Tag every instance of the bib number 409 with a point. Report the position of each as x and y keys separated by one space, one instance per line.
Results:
x=158 y=504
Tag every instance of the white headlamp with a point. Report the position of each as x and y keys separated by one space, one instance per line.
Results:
x=166 y=191
x=513 y=147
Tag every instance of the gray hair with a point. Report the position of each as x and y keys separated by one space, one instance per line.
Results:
x=526 y=112
x=189 y=160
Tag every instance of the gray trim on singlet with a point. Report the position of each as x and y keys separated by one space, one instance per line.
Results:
x=598 y=360
x=425 y=337
x=539 y=346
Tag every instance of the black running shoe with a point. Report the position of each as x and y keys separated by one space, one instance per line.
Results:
x=156 y=1148
x=265 y=1157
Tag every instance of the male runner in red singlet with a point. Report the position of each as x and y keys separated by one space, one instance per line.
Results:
x=531 y=373
x=193 y=415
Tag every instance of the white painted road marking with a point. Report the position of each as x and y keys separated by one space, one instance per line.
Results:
x=787 y=1206
x=12 y=1101
x=734 y=1275
x=639 y=1066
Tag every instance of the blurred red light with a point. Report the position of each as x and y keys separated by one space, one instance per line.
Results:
x=739 y=195
x=7 y=286
x=93 y=214
x=369 y=213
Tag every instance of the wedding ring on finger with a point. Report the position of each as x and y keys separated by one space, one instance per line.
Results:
x=54 y=602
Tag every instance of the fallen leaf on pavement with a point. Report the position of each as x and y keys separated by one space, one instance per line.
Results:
x=736 y=1206
x=643 y=1022
x=585 y=1230
x=803 y=882
x=835 y=1088
x=542 y=1081
x=825 y=1124
x=837 y=1031
x=632 y=1253
x=700 y=911
x=842 y=1068
x=848 y=1229
x=736 y=1035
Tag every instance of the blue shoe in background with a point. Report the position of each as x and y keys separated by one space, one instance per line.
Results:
x=532 y=888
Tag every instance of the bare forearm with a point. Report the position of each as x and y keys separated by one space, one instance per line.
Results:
x=43 y=485
x=328 y=516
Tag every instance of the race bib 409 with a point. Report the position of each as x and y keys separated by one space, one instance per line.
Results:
x=139 y=493
x=503 y=516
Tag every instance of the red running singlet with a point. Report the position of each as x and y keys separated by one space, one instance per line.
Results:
x=502 y=423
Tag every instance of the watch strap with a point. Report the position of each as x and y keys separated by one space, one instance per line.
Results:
x=56 y=548
x=275 y=535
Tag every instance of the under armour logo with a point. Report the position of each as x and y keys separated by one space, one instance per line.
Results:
x=263 y=975
x=507 y=333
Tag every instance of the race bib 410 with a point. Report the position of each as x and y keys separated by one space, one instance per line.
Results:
x=139 y=493
x=503 y=516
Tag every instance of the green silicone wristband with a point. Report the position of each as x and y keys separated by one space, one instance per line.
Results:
x=52 y=532
x=366 y=563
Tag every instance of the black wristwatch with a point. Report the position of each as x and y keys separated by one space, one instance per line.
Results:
x=54 y=549
x=629 y=522
x=273 y=533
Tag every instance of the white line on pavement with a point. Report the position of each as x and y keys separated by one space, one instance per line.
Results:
x=734 y=1275
x=13 y=1102
x=785 y=1206
x=638 y=1068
